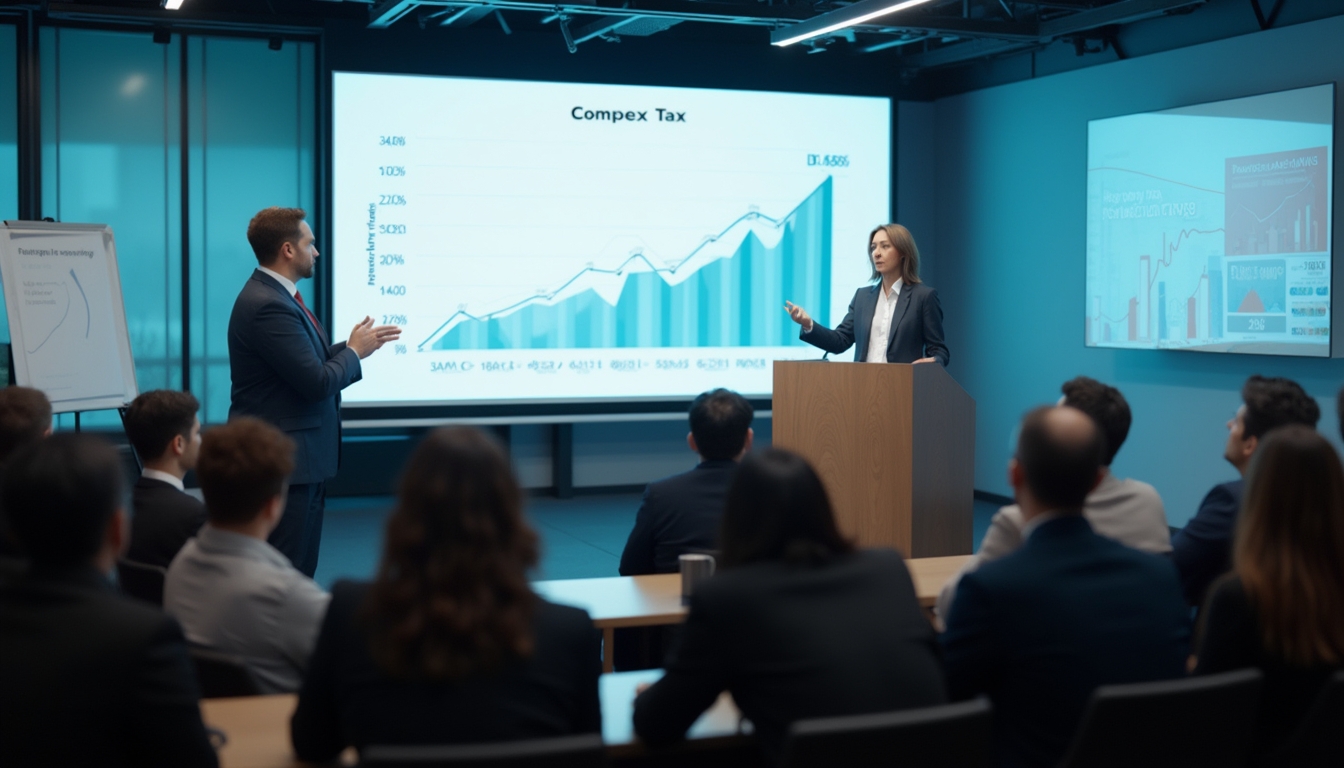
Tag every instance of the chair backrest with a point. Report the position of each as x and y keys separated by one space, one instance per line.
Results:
x=953 y=735
x=1318 y=741
x=1195 y=721
x=584 y=751
x=142 y=580
x=222 y=675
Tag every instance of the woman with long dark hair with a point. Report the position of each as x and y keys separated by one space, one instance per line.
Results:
x=449 y=643
x=1282 y=607
x=798 y=623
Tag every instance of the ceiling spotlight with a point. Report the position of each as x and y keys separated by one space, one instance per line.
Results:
x=275 y=43
x=172 y=5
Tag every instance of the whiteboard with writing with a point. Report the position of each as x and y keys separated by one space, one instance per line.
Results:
x=67 y=322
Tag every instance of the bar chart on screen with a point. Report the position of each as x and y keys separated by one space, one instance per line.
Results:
x=532 y=247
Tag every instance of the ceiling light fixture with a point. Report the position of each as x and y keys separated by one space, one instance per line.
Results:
x=172 y=5
x=849 y=16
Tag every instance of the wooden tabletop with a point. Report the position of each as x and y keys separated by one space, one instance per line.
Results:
x=257 y=727
x=931 y=573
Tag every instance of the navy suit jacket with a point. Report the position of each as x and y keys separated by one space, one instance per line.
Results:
x=286 y=373
x=680 y=514
x=1202 y=550
x=916 y=329
x=163 y=521
x=1040 y=629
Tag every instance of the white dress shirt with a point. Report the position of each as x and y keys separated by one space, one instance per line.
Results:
x=879 y=334
x=164 y=477
x=282 y=280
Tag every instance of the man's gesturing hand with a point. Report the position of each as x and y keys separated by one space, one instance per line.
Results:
x=367 y=338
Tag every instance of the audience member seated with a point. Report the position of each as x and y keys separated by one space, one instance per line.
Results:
x=1039 y=629
x=797 y=623
x=1202 y=550
x=1282 y=607
x=87 y=676
x=680 y=514
x=165 y=432
x=25 y=417
x=449 y=644
x=233 y=591
x=1126 y=510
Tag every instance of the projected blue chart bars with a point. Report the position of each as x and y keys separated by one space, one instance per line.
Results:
x=729 y=302
x=535 y=248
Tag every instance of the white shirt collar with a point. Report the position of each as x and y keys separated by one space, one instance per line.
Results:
x=895 y=288
x=173 y=480
x=284 y=281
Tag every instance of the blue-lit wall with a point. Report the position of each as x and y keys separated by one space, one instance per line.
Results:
x=1010 y=192
x=9 y=141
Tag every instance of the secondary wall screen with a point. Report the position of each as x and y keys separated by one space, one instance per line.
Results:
x=1209 y=227
x=562 y=242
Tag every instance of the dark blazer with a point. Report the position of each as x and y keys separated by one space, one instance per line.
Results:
x=89 y=677
x=163 y=521
x=797 y=641
x=680 y=514
x=1202 y=550
x=286 y=373
x=1041 y=628
x=348 y=701
x=916 y=330
x=1230 y=639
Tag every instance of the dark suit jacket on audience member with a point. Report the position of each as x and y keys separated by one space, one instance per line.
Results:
x=163 y=519
x=89 y=677
x=916 y=328
x=1202 y=550
x=797 y=641
x=1230 y=639
x=348 y=701
x=1040 y=629
x=680 y=514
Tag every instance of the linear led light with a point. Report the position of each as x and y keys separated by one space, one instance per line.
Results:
x=851 y=16
x=172 y=5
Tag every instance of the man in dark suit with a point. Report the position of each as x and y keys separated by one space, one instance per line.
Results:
x=286 y=371
x=1041 y=628
x=87 y=676
x=25 y=417
x=164 y=430
x=1202 y=550
x=680 y=514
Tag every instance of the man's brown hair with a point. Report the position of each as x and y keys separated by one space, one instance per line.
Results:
x=25 y=416
x=158 y=416
x=271 y=228
x=243 y=465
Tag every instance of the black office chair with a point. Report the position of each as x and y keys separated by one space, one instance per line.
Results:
x=141 y=580
x=1192 y=722
x=1318 y=740
x=585 y=751
x=222 y=675
x=953 y=735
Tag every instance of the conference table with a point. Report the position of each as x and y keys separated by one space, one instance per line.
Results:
x=256 y=728
x=655 y=600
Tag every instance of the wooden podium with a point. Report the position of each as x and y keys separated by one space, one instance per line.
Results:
x=894 y=444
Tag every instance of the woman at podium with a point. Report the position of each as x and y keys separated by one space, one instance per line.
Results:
x=896 y=320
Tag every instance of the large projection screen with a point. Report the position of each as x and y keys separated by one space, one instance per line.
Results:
x=561 y=242
x=1209 y=227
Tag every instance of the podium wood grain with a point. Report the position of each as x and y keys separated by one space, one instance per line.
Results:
x=894 y=444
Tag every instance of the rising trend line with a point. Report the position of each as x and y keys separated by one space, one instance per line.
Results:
x=88 y=315
x=671 y=270
x=1168 y=251
x=1262 y=220
x=59 y=323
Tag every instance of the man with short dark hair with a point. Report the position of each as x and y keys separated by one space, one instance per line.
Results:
x=286 y=370
x=87 y=676
x=680 y=514
x=231 y=590
x=166 y=433
x=1202 y=550
x=1124 y=509
x=25 y=417
x=1041 y=628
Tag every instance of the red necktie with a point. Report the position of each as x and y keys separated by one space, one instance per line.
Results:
x=322 y=332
